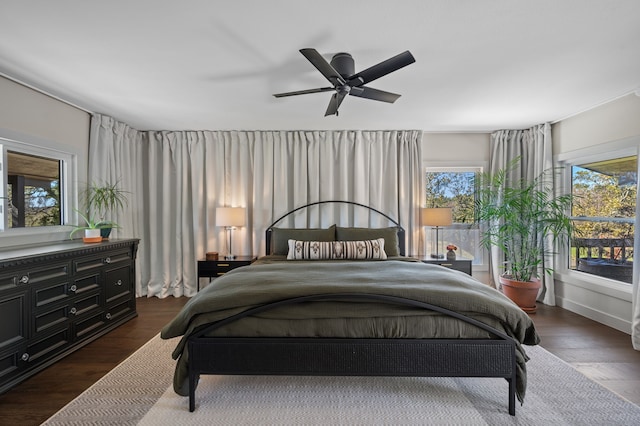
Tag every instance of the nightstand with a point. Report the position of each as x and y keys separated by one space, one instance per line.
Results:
x=216 y=268
x=463 y=265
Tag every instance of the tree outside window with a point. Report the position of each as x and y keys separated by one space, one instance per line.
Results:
x=603 y=212
x=455 y=187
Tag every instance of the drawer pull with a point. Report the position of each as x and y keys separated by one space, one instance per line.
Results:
x=107 y=260
x=73 y=311
x=446 y=264
x=73 y=288
x=119 y=282
x=25 y=357
x=24 y=279
x=223 y=264
x=108 y=316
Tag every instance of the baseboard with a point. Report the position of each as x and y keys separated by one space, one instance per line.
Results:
x=595 y=315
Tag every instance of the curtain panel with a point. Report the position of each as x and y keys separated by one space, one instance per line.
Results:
x=534 y=148
x=176 y=179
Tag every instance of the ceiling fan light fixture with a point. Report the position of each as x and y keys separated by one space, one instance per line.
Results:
x=345 y=81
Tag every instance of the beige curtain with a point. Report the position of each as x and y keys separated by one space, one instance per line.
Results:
x=177 y=179
x=534 y=148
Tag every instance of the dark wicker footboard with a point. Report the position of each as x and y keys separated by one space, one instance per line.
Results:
x=354 y=357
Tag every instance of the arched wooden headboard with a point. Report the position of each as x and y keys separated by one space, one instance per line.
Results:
x=401 y=232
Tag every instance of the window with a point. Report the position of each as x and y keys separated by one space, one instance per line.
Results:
x=33 y=190
x=33 y=186
x=455 y=187
x=603 y=213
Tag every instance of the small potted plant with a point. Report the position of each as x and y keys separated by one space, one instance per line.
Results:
x=451 y=252
x=91 y=230
x=103 y=200
x=100 y=201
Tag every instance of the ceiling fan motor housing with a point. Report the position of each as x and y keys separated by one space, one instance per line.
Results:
x=344 y=64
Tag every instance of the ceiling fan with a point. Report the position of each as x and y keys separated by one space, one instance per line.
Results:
x=345 y=81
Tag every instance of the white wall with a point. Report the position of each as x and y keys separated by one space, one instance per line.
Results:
x=610 y=122
x=455 y=148
x=31 y=117
x=610 y=126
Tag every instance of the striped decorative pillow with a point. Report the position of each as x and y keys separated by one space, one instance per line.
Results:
x=366 y=249
x=324 y=250
x=310 y=250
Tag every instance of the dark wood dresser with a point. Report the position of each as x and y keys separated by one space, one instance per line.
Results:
x=57 y=297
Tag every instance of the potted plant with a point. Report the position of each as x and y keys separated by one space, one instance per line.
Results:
x=100 y=200
x=92 y=229
x=525 y=220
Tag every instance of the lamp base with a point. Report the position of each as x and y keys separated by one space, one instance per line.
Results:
x=230 y=257
x=437 y=256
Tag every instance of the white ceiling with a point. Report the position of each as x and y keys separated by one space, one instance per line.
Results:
x=481 y=65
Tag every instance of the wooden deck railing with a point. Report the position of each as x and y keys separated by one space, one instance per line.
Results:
x=616 y=250
x=605 y=257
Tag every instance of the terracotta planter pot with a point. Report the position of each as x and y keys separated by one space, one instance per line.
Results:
x=524 y=294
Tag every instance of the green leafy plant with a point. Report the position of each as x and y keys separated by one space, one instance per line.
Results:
x=90 y=224
x=519 y=217
x=100 y=199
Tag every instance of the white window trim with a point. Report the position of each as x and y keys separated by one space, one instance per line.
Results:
x=44 y=148
x=606 y=151
x=459 y=166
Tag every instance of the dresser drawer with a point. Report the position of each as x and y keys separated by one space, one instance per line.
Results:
x=88 y=264
x=86 y=326
x=35 y=275
x=44 y=347
x=12 y=362
x=14 y=318
x=87 y=283
x=52 y=316
x=51 y=293
x=117 y=283
x=120 y=308
x=49 y=273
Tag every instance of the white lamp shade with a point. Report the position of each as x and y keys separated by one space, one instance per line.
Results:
x=230 y=216
x=437 y=216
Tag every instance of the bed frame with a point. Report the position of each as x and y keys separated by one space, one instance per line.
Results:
x=401 y=233
x=352 y=357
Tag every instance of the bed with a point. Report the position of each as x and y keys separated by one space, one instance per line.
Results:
x=388 y=315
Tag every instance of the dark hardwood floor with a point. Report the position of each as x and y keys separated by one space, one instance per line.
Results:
x=40 y=396
x=598 y=351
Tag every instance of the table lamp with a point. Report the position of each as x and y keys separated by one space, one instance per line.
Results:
x=437 y=217
x=230 y=218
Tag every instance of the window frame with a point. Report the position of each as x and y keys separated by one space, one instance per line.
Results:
x=459 y=166
x=68 y=177
x=606 y=151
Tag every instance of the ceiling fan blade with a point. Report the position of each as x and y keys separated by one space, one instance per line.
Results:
x=375 y=94
x=334 y=103
x=304 y=92
x=323 y=66
x=382 y=69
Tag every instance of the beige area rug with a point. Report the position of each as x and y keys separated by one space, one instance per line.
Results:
x=139 y=391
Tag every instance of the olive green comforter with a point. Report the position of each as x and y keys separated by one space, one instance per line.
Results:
x=272 y=279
